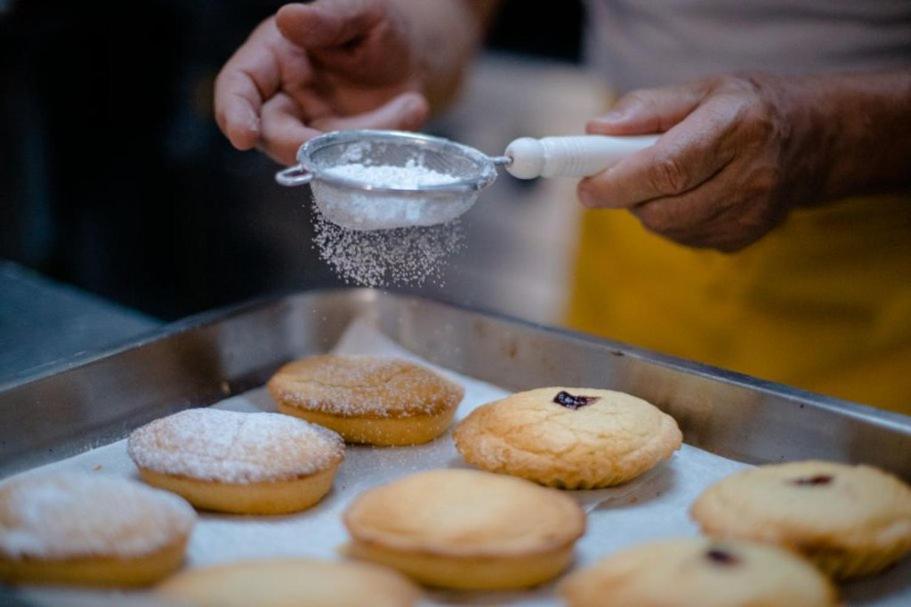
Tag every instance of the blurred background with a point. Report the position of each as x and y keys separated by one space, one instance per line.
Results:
x=115 y=179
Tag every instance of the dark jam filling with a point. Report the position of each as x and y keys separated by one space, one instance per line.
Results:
x=721 y=557
x=819 y=479
x=565 y=399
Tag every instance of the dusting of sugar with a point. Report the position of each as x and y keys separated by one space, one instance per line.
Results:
x=365 y=385
x=387 y=196
x=410 y=256
x=234 y=447
x=412 y=175
x=70 y=514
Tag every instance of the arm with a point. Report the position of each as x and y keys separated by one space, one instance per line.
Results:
x=739 y=152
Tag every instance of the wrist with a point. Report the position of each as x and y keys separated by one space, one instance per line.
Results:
x=853 y=135
x=803 y=130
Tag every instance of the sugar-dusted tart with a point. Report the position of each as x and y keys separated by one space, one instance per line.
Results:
x=89 y=529
x=366 y=399
x=243 y=463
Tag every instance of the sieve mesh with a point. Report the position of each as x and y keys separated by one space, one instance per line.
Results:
x=363 y=205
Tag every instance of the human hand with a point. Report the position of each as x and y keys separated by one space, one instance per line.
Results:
x=328 y=65
x=730 y=165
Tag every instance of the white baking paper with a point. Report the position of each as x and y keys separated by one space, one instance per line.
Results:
x=654 y=506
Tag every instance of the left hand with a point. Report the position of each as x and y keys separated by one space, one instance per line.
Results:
x=727 y=169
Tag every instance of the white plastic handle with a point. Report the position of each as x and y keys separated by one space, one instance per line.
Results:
x=574 y=156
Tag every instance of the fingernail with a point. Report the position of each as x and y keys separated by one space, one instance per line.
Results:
x=252 y=119
x=612 y=116
x=413 y=103
x=410 y=104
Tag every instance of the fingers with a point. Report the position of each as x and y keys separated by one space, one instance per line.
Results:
x=263 y=65
x=717 y=215
x=249 y=77
x=693 y=218
x=325 y=23
x=683 y=158
x=650 y=110
x=283 y=130
x=406 y=112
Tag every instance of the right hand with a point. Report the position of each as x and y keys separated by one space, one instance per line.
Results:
x=329 y=65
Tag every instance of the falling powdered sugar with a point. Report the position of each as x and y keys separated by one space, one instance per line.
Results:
x=401 y=256
x=380 y=225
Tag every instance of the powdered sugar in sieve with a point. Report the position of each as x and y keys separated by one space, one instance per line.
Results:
x=370 y=210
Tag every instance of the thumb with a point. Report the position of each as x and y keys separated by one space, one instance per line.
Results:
x=649 y=110
x=325 y=23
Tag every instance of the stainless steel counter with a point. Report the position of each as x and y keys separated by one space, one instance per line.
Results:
x=43 y=323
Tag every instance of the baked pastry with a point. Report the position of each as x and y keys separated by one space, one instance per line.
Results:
x=465 y=529
x=699 y=572
x=571 y=438
x=849 y=520
x=245 y=463
x=89 y=529
x=293 y=581
x=369 y=400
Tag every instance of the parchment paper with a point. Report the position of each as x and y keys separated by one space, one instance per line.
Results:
x=654 y=506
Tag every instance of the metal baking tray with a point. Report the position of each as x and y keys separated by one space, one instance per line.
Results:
x=99 y=399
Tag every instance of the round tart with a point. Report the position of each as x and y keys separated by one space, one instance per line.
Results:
x=244 y=463
x=294 y=581
x=571 y=438
x=89 y=529
x=699 y=572
x=369 y=400
x=465 y=529
x=849 y=520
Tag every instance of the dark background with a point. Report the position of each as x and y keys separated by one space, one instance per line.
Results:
x=113 y=175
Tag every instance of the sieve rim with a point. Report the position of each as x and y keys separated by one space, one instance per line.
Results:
x=474 y=184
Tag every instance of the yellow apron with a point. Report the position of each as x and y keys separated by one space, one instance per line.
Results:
x=823 y=302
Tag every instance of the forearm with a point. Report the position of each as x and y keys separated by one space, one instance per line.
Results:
x=446 y=35
x=861 y=132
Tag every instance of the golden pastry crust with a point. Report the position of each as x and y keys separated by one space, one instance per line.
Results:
x=243 y=463
x=699 y=572
x=348 y=393
x=99 y=571
x=89 y=529
x=611 y=439
x=379 y=431
x=273 y=497
x=293 y=581
x=849 y=520
x=466 y=529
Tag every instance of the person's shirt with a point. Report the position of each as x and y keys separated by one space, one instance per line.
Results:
x=644 y=43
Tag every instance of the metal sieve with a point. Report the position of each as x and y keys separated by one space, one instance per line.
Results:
x=344 y=200
x=361 y=205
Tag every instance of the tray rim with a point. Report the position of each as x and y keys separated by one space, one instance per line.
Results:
x=870 y=414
